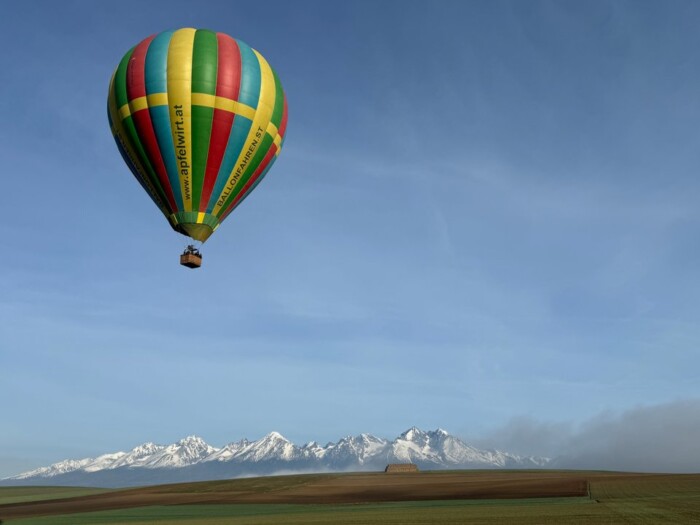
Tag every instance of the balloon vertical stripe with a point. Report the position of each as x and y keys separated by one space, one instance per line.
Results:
x=157 y=86
x=180 y=102
x=250 y=76
x=228 y=85
x=282 y=132
x=278 y=110
x=199 y=118
x=204 y=66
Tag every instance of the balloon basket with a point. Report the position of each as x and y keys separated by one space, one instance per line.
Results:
x=191 y=260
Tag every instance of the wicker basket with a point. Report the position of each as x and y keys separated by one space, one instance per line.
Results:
x=191 y=260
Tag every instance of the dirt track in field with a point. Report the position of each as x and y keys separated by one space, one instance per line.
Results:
x=326 y=488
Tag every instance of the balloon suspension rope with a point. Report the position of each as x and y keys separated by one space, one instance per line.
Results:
x=195 y=245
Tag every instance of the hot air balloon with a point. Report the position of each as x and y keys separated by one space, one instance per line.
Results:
x=199 y=118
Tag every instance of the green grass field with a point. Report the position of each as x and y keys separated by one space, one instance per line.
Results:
x=22 y=494
x=614 y=499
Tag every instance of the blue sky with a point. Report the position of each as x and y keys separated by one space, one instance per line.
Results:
x=484 y=211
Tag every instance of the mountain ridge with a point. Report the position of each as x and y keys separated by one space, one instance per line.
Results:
x=193 y=459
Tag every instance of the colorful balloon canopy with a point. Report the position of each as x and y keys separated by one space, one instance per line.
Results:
x=199 y=118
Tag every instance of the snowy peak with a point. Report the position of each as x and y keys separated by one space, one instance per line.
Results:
x=358 y=450
x=187 y=451
x=439 y=449
x=418 y=436
x=228 y=452
x=273 y=445
x=415 y=445
x=192 y=441
x=413 y=434
x=276 y=436
x=138 y=456
x=145 y=449
x=193 y=447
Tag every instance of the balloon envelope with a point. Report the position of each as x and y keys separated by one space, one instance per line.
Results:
x=199 y=118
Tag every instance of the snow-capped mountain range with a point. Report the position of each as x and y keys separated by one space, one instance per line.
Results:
x=192 y=459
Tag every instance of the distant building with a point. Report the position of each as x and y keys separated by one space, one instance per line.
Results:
x=401 y=467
